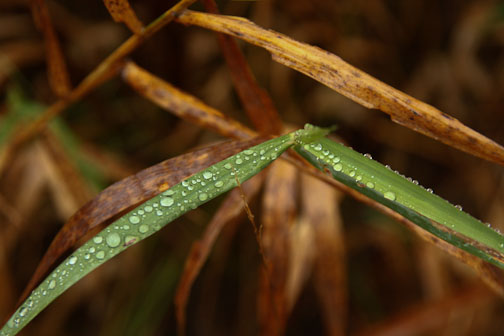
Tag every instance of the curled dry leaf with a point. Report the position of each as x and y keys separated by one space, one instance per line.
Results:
x=121 y=11
x=57 y=69
x=230 y=209
x=353 y=83
x=182 y=104
x=127 y=193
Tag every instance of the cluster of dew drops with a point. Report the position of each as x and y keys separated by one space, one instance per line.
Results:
x=132 y=228
x=338 y=167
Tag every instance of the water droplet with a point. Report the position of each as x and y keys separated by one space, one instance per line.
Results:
x=159 y=213
x=317 y=147
x=358 y=178
x=430 y=190
x=166 y=202
x=185 y=183
x=459 y=207
x=92 y=250
x=100 y=255
x=370 y=185
x=228 y=165
x=389 y=195
x=87 y=256
x=239 y=161
x=219 y=184
x=352 y=173
x=133 y=220
x=23 y=311
x=52 y=284
x=248 y=152
x=338 y=167
x=325 y=152
x=203 y=196
x=501 y=245
x=169 y=192
x=98 y=239
x=207 y=175
x=368 y=156
x=336 y=159
x=72 y=260
x=143 y=228
x=148 y=208
x=113 y=239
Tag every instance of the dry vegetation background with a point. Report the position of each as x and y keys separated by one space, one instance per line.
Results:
x=340 y=267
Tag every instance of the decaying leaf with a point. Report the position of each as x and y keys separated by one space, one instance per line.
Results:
x=355 y=84
x=183 y=105
x=256 y=101
x=279 y=210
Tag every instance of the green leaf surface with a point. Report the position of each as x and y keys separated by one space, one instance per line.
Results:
x=419 y=205
x=149 y=218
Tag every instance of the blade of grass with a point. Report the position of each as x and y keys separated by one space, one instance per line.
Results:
x=150 y=217
x=256 y=101
x=419 y=205
x=182 y=104
x=230 y=209
x=353 y=83
x=127 y=193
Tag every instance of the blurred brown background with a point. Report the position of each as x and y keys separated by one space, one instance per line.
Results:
x=445 y=53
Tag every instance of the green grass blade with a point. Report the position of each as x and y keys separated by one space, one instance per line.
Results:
x=412 y=201
x=150 y=217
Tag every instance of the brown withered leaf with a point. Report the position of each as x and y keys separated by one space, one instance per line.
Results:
x=353 y=83
x=121 y=11
x=182 y=104
x=256 y=101
x=57 y=68
x=321 y=211
x=279 y=210
x=230 y=209
x=129 y=192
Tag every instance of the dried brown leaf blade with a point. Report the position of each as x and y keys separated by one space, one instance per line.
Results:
x=59 y=78
x=182 y=104
x=128 y=192
x=121 y=11
x=279 y=211
x=256 y=101
x=353 y=83
x=230 y=209
x=321 y=210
